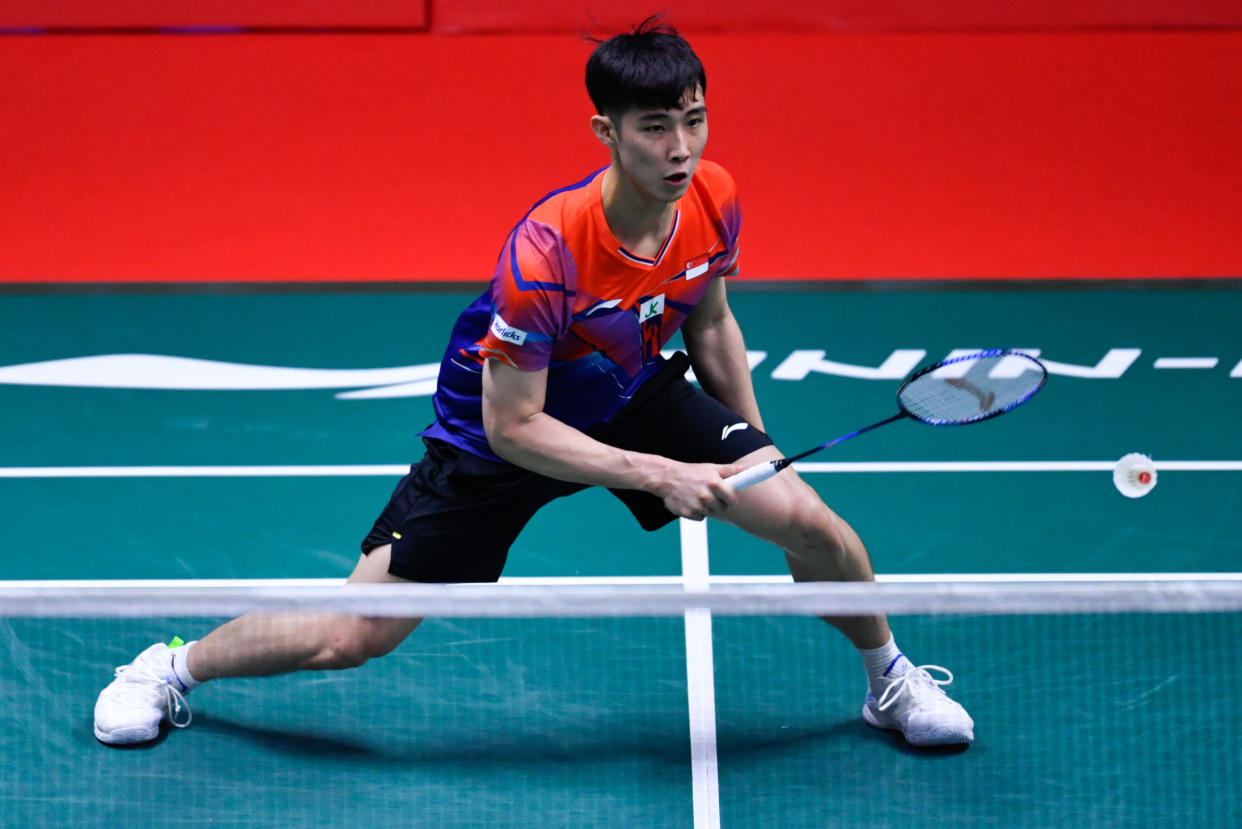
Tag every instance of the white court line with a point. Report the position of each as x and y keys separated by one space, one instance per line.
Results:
x=396 y=470
x=1011 y=466
x=290 y=471
x=999 y=578
x=608 y=581
x=700 y=679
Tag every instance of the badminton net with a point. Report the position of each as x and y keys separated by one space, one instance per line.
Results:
x=1096 y=704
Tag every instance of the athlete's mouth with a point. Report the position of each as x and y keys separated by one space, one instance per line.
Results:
x=677 y=178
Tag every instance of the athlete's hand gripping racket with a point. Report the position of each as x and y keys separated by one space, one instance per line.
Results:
x=955 y=392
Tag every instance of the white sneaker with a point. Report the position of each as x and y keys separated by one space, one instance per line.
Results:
x=146 y=690
x=914 y=704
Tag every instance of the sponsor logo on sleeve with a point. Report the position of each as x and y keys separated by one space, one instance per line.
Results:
x=507 y=332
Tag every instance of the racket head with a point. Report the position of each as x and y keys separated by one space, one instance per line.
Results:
x=971 y=387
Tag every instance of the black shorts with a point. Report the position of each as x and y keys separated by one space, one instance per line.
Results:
x=455 y=515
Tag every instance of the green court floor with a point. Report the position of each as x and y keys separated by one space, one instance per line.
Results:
x=1081 y=720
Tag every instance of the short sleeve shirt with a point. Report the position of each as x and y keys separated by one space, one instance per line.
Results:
x=566 y=296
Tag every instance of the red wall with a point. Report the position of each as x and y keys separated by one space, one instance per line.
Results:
x=835 y=15
x=395 y=157
x=475 y=16
x=155 y=14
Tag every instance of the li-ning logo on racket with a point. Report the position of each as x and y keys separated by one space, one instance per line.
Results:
x=986 y=399
x=736 y=427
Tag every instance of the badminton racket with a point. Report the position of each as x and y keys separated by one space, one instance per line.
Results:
x=955 y=392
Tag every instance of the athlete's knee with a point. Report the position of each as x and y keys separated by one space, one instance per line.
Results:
x=354 y=640
x=814 y=528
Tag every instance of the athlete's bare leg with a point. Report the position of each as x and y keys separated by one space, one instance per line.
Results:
x=261 y=644
x=819 y=545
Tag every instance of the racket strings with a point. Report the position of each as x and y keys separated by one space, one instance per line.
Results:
x=972 y=390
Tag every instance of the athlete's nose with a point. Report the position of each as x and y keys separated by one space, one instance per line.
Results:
x=679 y=150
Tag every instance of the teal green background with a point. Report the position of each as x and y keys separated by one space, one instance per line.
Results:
x=1085 y=720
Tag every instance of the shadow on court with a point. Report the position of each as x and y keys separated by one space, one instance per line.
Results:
x=601 y=741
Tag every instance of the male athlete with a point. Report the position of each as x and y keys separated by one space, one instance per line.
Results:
x=553 y=381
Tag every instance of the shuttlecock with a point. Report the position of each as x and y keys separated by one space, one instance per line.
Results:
x=1134 y=475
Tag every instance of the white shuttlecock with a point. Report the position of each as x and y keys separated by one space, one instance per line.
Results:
x=1134 y=475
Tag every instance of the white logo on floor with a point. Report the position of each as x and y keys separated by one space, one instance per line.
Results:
x=162 y=372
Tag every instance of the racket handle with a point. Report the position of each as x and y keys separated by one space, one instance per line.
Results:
x=758 y=473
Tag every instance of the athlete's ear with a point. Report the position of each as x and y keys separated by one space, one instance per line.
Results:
x=604 y=130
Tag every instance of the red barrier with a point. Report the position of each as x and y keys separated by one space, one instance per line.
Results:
x=410 y=157
x=744 y=16
x=159 y=14
x=477 y=16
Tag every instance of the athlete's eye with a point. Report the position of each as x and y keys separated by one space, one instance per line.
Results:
x=654 y=128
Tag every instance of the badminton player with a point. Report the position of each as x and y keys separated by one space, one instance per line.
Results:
x=553 y=381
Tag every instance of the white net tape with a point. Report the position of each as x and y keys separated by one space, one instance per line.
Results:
x=192 y=599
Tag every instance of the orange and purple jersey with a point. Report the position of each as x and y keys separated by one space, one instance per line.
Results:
x=566 y=296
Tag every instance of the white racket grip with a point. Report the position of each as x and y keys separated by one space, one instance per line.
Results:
x=747 y=478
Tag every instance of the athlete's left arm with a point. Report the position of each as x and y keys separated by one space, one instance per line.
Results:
x=718 y=353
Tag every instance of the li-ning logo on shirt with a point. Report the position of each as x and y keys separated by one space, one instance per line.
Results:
x=605 y=305
x=507 y=332
x=736 y=427
x=651 y=309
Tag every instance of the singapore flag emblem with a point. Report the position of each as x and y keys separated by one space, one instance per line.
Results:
x=697 y=267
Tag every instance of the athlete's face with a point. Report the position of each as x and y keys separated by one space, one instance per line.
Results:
x=658 y=149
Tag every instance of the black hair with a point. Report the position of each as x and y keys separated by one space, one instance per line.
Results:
x=649 y=67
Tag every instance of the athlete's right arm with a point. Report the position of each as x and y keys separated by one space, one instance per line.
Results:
x=519 y=431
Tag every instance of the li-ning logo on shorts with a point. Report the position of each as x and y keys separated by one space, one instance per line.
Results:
x=736 y=427
x=507 y=332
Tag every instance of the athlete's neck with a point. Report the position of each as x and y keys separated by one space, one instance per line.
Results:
x=640 y=223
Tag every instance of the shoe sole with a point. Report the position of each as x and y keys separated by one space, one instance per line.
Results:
x=125 y=736
x=935 y=738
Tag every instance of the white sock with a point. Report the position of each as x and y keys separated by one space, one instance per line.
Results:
x=181 y=666
x=882 y=664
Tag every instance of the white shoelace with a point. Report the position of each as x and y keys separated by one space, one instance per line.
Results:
x=914 y=678
x=143 y=682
